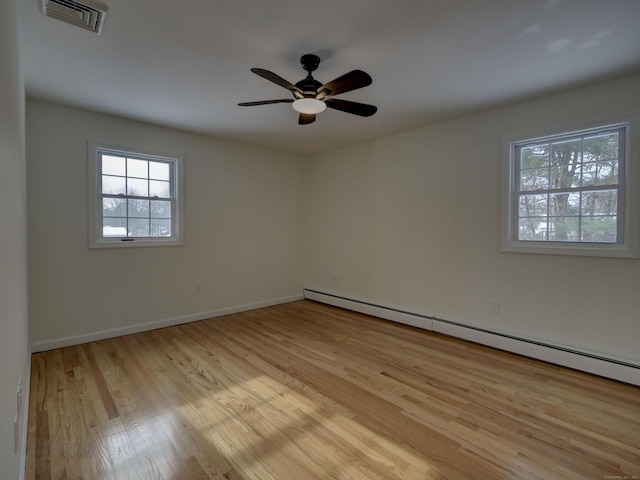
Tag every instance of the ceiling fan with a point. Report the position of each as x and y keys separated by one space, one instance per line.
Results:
x=310 y=97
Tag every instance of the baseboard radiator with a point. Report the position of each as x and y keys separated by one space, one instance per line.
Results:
x=615 y=369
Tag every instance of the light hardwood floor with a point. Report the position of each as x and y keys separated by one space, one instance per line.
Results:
x=304 y=391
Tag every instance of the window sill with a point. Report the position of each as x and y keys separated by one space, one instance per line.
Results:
x=572 y=249
x=135 y=242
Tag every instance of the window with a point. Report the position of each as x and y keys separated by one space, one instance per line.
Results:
x=134 y=198
x=568 y=193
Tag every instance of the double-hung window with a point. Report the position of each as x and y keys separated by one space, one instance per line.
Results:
x=568 y=193
x=134 y=198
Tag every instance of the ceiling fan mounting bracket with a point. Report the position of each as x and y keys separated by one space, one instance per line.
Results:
x=310 y=62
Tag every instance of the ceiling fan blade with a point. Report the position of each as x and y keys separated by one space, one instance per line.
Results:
x=349 y=81
x=361 y=109
x=278 y=80
x=306 y=118
x=266 y=102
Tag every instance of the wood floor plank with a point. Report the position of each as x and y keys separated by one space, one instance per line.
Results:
x=305 y=391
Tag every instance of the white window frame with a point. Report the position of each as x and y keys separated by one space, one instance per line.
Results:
x=96 y=237
x=627 y=245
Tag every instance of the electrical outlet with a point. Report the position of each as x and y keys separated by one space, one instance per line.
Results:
x=494 y=306
x=199 y=287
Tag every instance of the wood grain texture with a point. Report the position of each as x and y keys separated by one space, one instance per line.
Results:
x=306 y=391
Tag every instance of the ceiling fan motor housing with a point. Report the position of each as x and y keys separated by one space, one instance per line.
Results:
x=309 y=86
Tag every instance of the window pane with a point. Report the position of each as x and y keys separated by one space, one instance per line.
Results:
x=160 y=209
x=564 y=204
x=534 y=156
x=534 y=179
x=112 y=165
x=138 y=227
x=159 y=171
x=566 y=152
x=159 y=189
x=603 y=202
x=600 y=173
x=532 y=229
x=114 y=207
x=565 y=177
x=160 y=227
x=114 y=227
x=113 y=185
x=137 y=168
x=564 y=229
x=138 y=208
x=601 y=147
x=533 y=205
x=600 y=229
x=137 y=187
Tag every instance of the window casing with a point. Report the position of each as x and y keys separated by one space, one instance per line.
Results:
x=569 y=193
x=134 y=198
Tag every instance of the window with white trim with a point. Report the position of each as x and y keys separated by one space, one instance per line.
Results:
x=134 y=198
x=568 y=193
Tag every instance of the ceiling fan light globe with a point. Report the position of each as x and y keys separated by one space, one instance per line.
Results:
x=309 y=105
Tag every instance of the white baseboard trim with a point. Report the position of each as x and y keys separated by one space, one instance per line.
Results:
x=616 y=369
x=143 y=327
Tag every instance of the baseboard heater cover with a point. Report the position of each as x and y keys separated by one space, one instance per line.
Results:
x=584 y=361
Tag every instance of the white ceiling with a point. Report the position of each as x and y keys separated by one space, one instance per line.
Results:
x=186 y=63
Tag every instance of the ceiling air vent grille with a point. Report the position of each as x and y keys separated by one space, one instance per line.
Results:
x=88 y=15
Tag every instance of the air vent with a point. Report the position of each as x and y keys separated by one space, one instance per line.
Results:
x=88 y=15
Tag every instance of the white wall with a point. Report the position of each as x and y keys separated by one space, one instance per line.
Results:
x=243 y=230
x=14 y=346
x=410 y=222
x=413 y=222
